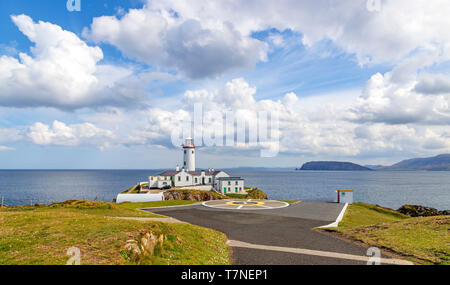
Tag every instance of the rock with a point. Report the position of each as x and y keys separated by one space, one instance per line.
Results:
x=145 y=245
x=191 y=195
x=256 y=194
x=420 y=211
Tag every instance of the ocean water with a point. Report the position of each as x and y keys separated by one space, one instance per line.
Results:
x=387 y=188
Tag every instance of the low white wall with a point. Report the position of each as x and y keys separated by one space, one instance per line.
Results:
x=195 y=187
x=139 y=197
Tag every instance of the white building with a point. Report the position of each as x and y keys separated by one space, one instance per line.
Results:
x=189 y=176
x=230 y=185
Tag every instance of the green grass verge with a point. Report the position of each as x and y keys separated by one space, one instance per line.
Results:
x=236 y=196
x=135 y=206
x=291 y=201
x=84 y=207
x=420 y=240
x=43 y=236
x=360 y=214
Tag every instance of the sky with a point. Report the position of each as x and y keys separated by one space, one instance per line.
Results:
x=107 y=87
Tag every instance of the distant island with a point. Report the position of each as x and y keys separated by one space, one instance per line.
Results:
x=436 y=163
x=333 y=165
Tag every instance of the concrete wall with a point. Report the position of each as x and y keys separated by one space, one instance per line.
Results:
x=139 y=197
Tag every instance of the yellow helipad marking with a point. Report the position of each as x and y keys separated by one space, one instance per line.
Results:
x=249 y=204
x=245 y=203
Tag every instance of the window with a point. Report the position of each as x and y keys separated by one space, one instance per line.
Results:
x=185 y=163
x=240 y=188
x=184 y=151
x=187 y=178
x=237 y=183
x=209 y=180
x=196 y=180
x=229 y=183
x=179 y=178
x=192 y=152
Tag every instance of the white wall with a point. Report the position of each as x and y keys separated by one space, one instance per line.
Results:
x=345 y=197
x=121 y=198
x=159 y=181
x=189 y=159
x=182 y=179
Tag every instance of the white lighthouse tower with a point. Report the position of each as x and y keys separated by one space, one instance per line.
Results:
x=189 y=155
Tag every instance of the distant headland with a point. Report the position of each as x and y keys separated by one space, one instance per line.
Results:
x=435 y=163
x=333 y=165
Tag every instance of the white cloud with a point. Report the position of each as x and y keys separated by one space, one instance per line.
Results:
x=311 y=126
x=390 y=100
x=60 y=134
x=317 y=127
x=62 y=71
x=6 y=148
x=159 y=37
x=433 y=84
x=10 y=135
x=400 y=27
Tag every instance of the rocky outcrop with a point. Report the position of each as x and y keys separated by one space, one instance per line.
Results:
x=421 y=211
x=144 y=247
x=192 y=195
x=256 y=194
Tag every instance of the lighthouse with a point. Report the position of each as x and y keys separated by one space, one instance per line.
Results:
x=189 y=155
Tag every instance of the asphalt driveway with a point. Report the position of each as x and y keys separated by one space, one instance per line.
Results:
x=289 y=227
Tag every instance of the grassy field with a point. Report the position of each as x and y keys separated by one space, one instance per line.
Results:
x=42 y=235
x=135 y=206
x=423 y=240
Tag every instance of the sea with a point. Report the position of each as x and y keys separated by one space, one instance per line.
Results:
x=390 y=189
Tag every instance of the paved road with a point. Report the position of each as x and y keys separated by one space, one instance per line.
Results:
x=288 y=227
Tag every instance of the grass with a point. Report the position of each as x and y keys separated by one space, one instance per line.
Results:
x=423 y=240
x=132 y=190
x=291 y=201
x=43 y=236
x=236 y=196
x=360 y=214
x=136 y=206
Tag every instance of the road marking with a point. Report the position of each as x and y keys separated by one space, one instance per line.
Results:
x=253 y=204
x=235 y=243
x=162 y=220
x=335 y=224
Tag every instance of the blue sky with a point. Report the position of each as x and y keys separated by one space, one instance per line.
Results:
x=106 y=86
